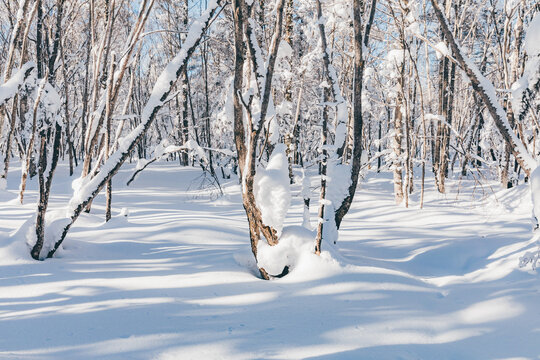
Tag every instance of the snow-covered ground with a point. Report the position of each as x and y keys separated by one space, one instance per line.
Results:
x=175 y=280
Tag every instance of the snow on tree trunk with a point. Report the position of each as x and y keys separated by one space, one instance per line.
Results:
x=271 y=189
x=247 y=135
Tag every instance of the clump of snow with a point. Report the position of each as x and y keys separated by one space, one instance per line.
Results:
x=160 y=149
x=296 y=250
x=272 y=189
x=11 y=86
x=395 y=56
x=341 y=126
x=284 y=50
x=124 y=212
x=55 y=224
x=120 y=219
x=535 y=195
x=285 y=108
x=413 y=29
x=294 y=241
x=13 y=247
x=441 y=50
x=532 y=37
x=339 y=178
x=141 y=162
x=330 y=231
x=324 y=84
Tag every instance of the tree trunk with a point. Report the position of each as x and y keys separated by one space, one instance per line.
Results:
x=358 y=10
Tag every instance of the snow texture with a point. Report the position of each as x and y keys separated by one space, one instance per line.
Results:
x=532 y=37
x=295 y=242
x=10 y=87
x=535 y=194
x=178 y=281
x=396 y=56
x=284 y=51
x=531 y=73
x=441 y=50
x=272 y=189
x=339 y=180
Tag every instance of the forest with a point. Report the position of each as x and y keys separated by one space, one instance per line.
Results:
x=344 y=150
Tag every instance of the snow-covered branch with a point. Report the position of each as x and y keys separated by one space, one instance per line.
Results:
x=486 y=91
x=12 y=86
x=89 y=188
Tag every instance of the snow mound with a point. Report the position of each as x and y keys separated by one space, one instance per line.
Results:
x=272 y=189
x=13 y=248
x=294 y=241
x=55 y=222
x=296 y=250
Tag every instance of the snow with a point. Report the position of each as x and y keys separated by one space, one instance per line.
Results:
x=531 y=72
x=441 y=50
x=178 y=280
x=295 y=244
x=395 y=56
x=535 y=193
x=489 y=89
x=163 y=84
x=413 y=29
x=9 y=88
x=532 y=37
x=272 y=190
x=339 y=176
x=285 y=50
x=259 y=59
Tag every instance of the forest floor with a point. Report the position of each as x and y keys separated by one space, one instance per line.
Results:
x=175 y=279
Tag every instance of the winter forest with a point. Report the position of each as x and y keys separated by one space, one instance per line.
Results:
x=269 y=179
